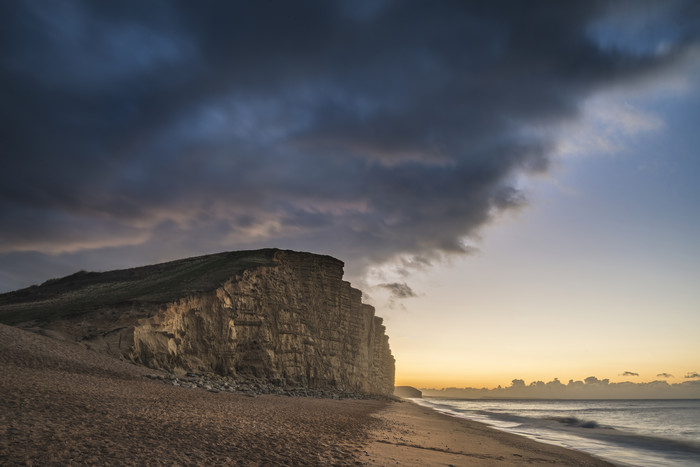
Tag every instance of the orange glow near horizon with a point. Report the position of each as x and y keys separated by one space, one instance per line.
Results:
x=476 y=382
x=519 y=310
x=451 y=362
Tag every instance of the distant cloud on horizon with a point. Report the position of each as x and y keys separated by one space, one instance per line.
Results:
x=692 y=375
x=665 y=375
x=591 y=387
x=629 y=373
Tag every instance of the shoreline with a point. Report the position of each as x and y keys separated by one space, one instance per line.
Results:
x=62 y=404
x=411 y=434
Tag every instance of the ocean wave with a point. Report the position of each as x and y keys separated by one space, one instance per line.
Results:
x=619 y=444
x=573 y=421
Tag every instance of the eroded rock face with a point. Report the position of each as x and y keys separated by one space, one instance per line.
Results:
x=294 y=322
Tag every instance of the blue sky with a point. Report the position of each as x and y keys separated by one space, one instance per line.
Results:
x=597 y=276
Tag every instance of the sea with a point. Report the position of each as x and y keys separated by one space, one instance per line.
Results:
x=647 y=433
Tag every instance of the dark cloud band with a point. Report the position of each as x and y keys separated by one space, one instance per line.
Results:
x=361 y=129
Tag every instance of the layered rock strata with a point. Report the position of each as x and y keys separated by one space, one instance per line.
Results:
x=291 y=321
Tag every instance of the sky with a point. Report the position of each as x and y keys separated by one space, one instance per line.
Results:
x=512 y=184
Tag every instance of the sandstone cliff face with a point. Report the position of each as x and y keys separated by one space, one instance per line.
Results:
x=292 y=322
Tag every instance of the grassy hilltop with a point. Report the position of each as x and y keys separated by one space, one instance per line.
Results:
x=83 y=291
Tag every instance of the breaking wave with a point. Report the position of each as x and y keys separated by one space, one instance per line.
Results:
x=649 y=433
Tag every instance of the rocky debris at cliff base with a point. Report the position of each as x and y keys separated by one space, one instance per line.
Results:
x=255 y=387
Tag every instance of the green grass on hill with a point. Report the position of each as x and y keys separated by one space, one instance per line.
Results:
x=83 y=292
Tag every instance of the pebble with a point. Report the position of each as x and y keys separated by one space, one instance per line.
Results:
x=252 y=387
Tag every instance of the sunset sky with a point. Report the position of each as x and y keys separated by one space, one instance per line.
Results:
x=514 y=185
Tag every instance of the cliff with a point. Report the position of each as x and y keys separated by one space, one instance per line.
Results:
x=281 y=316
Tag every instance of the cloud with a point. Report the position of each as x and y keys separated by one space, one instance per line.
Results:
x=518 y=383
x=692 y=375
x=399 y=290
x=606 y=127
x=592 y=388
x=665 y=375
x=594 y=380
x=367 y=130
x=629 y=373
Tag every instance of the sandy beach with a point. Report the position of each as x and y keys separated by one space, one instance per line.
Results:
x=409 y=434
x=61 y=404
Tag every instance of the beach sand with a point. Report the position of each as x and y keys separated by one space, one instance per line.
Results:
x=61 y=404
x=410 y=434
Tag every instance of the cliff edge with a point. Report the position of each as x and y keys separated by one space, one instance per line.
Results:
x=280 y=316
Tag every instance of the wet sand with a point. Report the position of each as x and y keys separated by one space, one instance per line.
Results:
x=61 y=404
x=410 y=434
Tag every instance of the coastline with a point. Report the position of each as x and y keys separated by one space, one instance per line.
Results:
x=61 y=404
x=410 y=434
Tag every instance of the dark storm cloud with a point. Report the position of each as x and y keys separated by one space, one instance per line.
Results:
x=629 y=373
x=149 y=130
x=399 y=290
